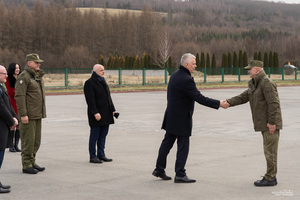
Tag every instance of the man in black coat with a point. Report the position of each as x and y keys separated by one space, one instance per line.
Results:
x=181 y=96
x=100 y=113
x=8 y=120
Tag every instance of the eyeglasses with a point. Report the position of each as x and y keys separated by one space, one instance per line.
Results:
x=4 y=73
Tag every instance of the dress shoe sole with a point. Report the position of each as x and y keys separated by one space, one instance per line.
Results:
x=95 y=162
x=163 y=177
x=40 y=169
x=106 y=160
x=4 y=190
x=266 y=185
x=181 y=181
x=29 y=172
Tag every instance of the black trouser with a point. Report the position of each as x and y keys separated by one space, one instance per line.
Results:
x=183 y=144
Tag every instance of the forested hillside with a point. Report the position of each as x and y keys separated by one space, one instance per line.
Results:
x=67 y=37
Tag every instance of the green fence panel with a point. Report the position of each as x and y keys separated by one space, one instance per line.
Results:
x=65 y=76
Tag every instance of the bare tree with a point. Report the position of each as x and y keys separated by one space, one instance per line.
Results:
x=77 y=57
x=164 y=50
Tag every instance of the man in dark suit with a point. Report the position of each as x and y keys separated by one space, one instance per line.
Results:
x=100 y=113
x=181 y=96
x=8 y=120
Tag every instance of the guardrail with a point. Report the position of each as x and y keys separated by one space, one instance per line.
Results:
x=65 y=77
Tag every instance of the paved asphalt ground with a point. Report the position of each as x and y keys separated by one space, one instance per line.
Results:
x=226 y=155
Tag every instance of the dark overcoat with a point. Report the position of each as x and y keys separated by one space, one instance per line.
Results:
x=181 y=96
x=98 y=99
x=6 y=118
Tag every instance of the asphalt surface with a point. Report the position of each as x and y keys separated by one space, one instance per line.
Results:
x=226 y=155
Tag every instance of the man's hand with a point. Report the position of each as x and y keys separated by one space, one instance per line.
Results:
x=15 y=124
x=97 y=116
x=224 y=104
x=272 y=128
x=25 y=120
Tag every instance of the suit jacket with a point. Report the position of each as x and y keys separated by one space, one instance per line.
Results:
x=98 y=99
x=181 y=96
x=6 y=118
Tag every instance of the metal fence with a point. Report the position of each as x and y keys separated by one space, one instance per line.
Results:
x=66 y=78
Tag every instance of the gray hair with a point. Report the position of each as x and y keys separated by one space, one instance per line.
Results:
x=186 y=58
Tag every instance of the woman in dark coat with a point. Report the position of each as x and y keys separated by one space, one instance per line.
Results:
x=13 y=71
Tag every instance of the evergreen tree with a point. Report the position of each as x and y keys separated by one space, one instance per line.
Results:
x=259 y=57
x=122 y=62
x=109 y=62
x=207 y=61
x=202 y=60
x=224 y=61
x=255 y=57
x=271 y=61
x=235 y=60
x=229 y=57
x=197 y=60
x=229 y=63
x=126 y=65
x=144 y=61
x=149 y=62
x=131 y=62
x=136 y=62
x=101 y=60
x=240 y=59
x=213 y=65
x=245 y=59
x=276 y=62
x=266 y=60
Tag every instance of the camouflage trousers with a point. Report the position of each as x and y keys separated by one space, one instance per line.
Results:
x=270 y=143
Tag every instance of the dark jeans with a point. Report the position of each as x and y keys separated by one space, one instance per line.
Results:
x=97 y=135
x=1 y=157
x=183 y=144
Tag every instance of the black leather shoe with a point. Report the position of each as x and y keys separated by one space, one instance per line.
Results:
x=17 y=149
x=40 y=169
x=184 y=179
x=95 y=160
x=106 y=159
x=265 y=182
x=161 y=175
x=30 y=170
x=4 y=186
x=2 y=190
x=12 y=149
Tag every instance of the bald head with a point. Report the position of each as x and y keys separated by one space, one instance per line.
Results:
x=99 y=69
x=2 y=68
x=3 y=74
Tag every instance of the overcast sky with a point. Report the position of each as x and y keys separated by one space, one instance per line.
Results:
x=286 y=1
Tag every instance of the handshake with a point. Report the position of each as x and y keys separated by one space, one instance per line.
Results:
x=224 y=104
